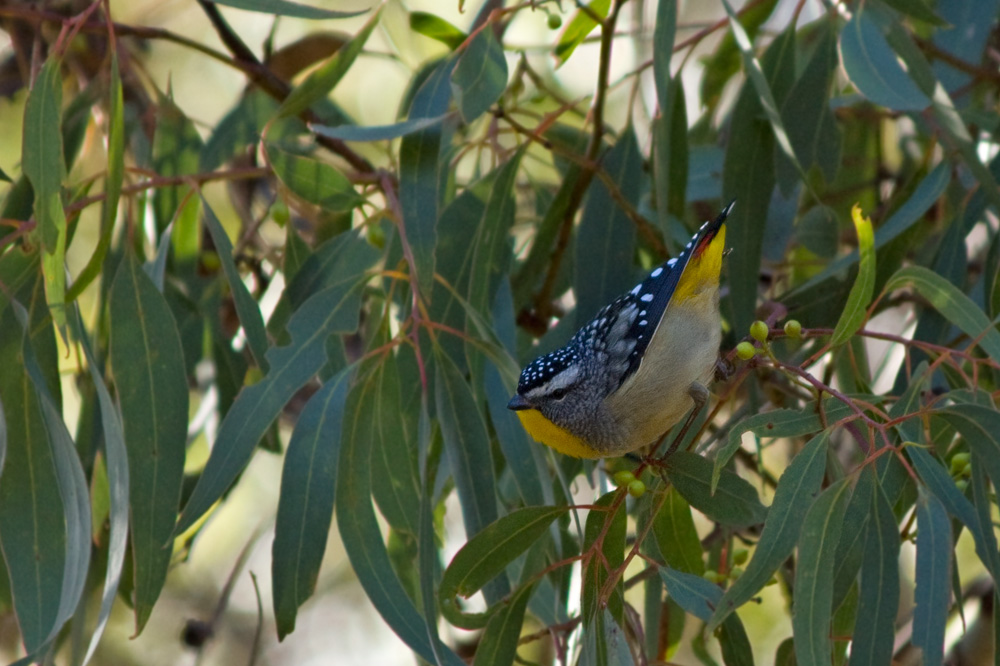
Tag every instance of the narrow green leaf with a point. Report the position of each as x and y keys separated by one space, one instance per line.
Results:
x=578 y=28
x=595 y=576
x=676 y=536
x=332 y=310
x=395 y=477
x=488 y=553
x=939 y=482
x=700 y=598
x=32 y=524
x=421 y=173
x=748 y=176
x=722 y=65
x=950 y=302
x=693 y=593
x=777 y=423
x=467 y=445
x=766 y=98
x=813 y=584
x=286 y=8
x=116 y=465
x=498 y=644
x=42 y=163
x=324 y=78
x=855 y=310
x=933 y=575
x=818 y=231
x=315 y=182
x=851 y=547
x=874 y=630
x=812 y=130
x=112 y=184
x=176 y=152
x=796 y=490
x=671 y=154
x=663 y=50
x=480 y=75
x=872 y=67
x=377 y=132
x=362 y=536
x=605 y=239
x=72 y=484
x=305 y=506
x=247 y=308
x=918 y=9
x=734 y=502
x=435 y=27
x=153 y=396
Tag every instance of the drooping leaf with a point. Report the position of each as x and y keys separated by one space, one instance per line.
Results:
x=112 y=184
x=421 y=173
x=362 y=537
x=821 y=532
x=287 y=8
x=498 y=645
x=324 y=78
x=873 y=68
x=305 y=506
x=153 y=396
x=176 y=152
x=874 y=630
x=480 y=75
x=487 y=554
x=933 y=578
x=854 y=312
x=950 y=302
x=332 y=310
x=42 y=162
x=246 y=307
x=605 y=239
x=676 y=536
x=611 y=522
x=796 y=491
x=117 y=475
x=313 y=181
x=467 y=445
x=734 y=502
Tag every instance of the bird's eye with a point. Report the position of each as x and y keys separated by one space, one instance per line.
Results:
x=558 y=394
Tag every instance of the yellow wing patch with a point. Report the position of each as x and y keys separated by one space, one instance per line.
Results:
x=702 y=271
x=549 y=434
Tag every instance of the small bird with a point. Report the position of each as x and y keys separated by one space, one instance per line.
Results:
x=636 y=368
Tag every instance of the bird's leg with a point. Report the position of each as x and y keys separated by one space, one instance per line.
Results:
x=699 y=395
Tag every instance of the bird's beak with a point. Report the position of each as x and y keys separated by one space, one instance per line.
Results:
x=518 y=403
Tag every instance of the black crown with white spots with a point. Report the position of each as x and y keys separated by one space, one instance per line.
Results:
x=643 y=307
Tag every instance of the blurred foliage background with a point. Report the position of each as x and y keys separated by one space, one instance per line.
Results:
x=268 y=272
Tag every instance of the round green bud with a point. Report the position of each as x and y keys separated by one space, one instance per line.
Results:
x=623 y=477
x=735 y=572
x=555 y=21
x=793 y=328
x=759 y=330
x=745 y=350
x=962 y=484
x=740 y=556
x=636 y=488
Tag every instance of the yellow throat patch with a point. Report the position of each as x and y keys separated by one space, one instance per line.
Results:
x=549 y=434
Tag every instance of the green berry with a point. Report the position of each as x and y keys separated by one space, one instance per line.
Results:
x=555 y=21
x=623 y=477
x=793 y=328
x=636 y=488
x=759 y=331
x=960 y=461
x=735 y=572
x=740 y=556
x=962 y=484
x=709 y=576
x=745 y=350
